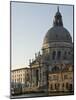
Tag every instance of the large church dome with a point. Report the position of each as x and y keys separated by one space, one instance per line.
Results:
x=57 y=33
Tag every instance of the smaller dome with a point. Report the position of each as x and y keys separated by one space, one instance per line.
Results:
x=58 y=19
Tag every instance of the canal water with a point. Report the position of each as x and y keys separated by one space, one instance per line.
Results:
x=30 y=95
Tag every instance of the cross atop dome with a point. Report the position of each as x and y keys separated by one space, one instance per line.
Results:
x=58 y=8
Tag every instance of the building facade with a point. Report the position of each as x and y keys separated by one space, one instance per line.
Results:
x=52 y=71
x=20 y=79
x=61 y=80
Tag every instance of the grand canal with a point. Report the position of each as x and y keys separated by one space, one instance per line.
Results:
x=30 y=95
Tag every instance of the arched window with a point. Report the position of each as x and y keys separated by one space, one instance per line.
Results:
x=51 y=87
x=63 y=85
x=58 y=55
x=53 y=55
x=65 y=55
x=37 y=76
x=57 y=85
x=70 y=87
x=67 y=86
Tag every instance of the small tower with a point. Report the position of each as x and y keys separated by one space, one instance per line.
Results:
x=58 y=18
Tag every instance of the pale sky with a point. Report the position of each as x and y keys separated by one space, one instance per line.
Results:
x=29 y=24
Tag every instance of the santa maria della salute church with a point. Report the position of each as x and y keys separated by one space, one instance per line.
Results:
x=52 y=71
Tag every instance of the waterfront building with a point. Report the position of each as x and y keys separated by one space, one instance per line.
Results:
x=20 y=79
x=52 y=71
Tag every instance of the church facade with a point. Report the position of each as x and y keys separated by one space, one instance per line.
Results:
x=53 y=70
